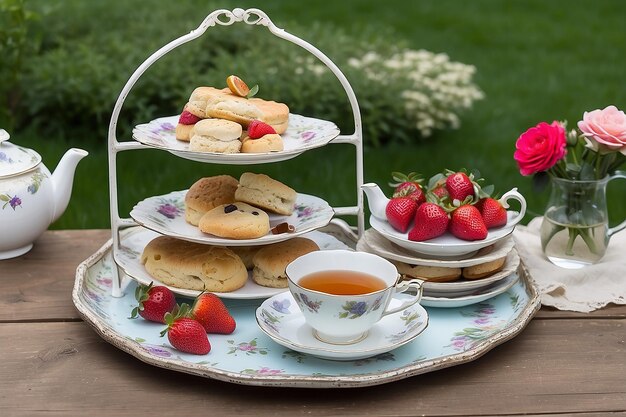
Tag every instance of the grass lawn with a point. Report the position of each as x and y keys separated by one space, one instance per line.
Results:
x=536 y=60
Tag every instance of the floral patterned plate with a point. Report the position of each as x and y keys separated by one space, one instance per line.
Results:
x=248 y=356
x=135 y=240
x=280 y=318
x=464 y=298
x=166 y=214
x=304 y=133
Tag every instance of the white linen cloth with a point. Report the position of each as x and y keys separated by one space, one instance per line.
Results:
x=583 y=290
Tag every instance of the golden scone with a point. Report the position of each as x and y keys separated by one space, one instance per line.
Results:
x=208 y=193
x=193 y=266
x=273 y=113
x=199 y=97
x=267 y=143
x=183 y=132
x=246 y=253
x=235 y=221
x=234 y=108
x=483 y=270
x=265 y=192
x=428 y=273
x=215 y=135
x=271 y=261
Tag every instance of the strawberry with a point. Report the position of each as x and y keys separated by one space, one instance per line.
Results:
x=408 y=186
x=187 y=118
x=441 y=192
x=258 y=129
x=430 y=221
x=186 y=334
x=466 y=223
x=400 y=212
x=459 y=186
x=154 y=302
x=212 y=314
x=494 y=215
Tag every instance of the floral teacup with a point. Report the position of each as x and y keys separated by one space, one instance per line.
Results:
x=346 y=319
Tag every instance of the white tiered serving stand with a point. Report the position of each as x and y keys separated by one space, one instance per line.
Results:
x=253 y=17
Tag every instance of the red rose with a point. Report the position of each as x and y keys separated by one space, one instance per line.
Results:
x=540 y=147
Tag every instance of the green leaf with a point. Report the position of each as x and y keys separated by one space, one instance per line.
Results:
x=4 y=197
x=253 y=91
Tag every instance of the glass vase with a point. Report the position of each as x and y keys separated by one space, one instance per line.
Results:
x=575 y=229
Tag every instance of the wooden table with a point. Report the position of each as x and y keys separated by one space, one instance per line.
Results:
x=54 y=364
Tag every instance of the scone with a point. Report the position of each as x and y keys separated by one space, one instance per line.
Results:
x=265 y=192
x=193 y=266
x=428 y=273
x=199 y=97
x=273 y=113
x=233 y=108
x=235 y=221
x=246 y=254
x=264 y=144
x=483 y=270
x=183 y=132
x=208 y=193
x=271 y=261
x=215 y=135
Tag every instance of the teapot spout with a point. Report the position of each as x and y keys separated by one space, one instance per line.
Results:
x=63 y=179
x=376 y=200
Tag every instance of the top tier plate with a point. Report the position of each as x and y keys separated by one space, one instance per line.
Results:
x=304 y=133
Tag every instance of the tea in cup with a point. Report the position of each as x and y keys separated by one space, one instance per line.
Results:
x=342 y=293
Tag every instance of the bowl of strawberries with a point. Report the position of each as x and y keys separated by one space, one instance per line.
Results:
x=451 y=215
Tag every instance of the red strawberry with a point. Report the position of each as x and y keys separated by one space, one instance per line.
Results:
x=466 y=223
x=408 y=186
x=154 y=302
x=494 y=215
x=459 y=186
x=400 y=212
x=258 y=129
x=441 y=192
x=187 y=118
x=212 y=314
x=186 y=335
x=430 y=221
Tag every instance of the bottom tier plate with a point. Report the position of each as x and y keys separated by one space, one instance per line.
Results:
x=248 y=356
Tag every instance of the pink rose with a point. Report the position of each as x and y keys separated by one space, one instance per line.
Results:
x=540 y=147
x=607 y=127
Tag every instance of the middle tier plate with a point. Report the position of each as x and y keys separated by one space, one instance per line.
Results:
x=166 y=214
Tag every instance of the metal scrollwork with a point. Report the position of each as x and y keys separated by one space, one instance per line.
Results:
x=225 y=17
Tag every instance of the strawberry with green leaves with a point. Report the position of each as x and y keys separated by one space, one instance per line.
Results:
x=492 y=212
x=466 y=223
x=400 y=212
x=186 y=334
x=431 y=221
x=209 y=310
x=408 y=186
x=154 y=302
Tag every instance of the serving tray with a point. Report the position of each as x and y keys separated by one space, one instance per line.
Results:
x=248 y=356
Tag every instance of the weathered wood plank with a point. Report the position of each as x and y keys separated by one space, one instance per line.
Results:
x=554 y=366
x=38 y=285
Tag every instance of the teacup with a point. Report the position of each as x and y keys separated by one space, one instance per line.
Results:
x=344 y=318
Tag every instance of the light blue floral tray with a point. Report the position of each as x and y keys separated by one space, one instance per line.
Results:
x=248 y=356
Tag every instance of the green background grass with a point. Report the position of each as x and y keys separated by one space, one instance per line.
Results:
x=536 y=61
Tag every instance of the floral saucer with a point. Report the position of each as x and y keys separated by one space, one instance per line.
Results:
x=447 y=245
x=304 y=133
x=128 y=258
x=465 y=298
x=280 y=318
x=166 y=214
x=374 y=242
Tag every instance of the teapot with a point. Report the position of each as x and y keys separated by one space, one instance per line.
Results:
x=30 y=197
x=377 y=202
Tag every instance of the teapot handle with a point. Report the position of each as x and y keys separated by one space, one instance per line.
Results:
x=622 y=225
x=515 y=196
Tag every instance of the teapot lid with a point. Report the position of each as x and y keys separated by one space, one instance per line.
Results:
x=15 y=159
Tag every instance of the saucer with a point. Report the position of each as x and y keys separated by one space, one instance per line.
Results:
x=463 y=298
x=444 y=246
x=374 y=242
x=280 y=318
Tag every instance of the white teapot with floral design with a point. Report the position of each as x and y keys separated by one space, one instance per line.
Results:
x=30 y=197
